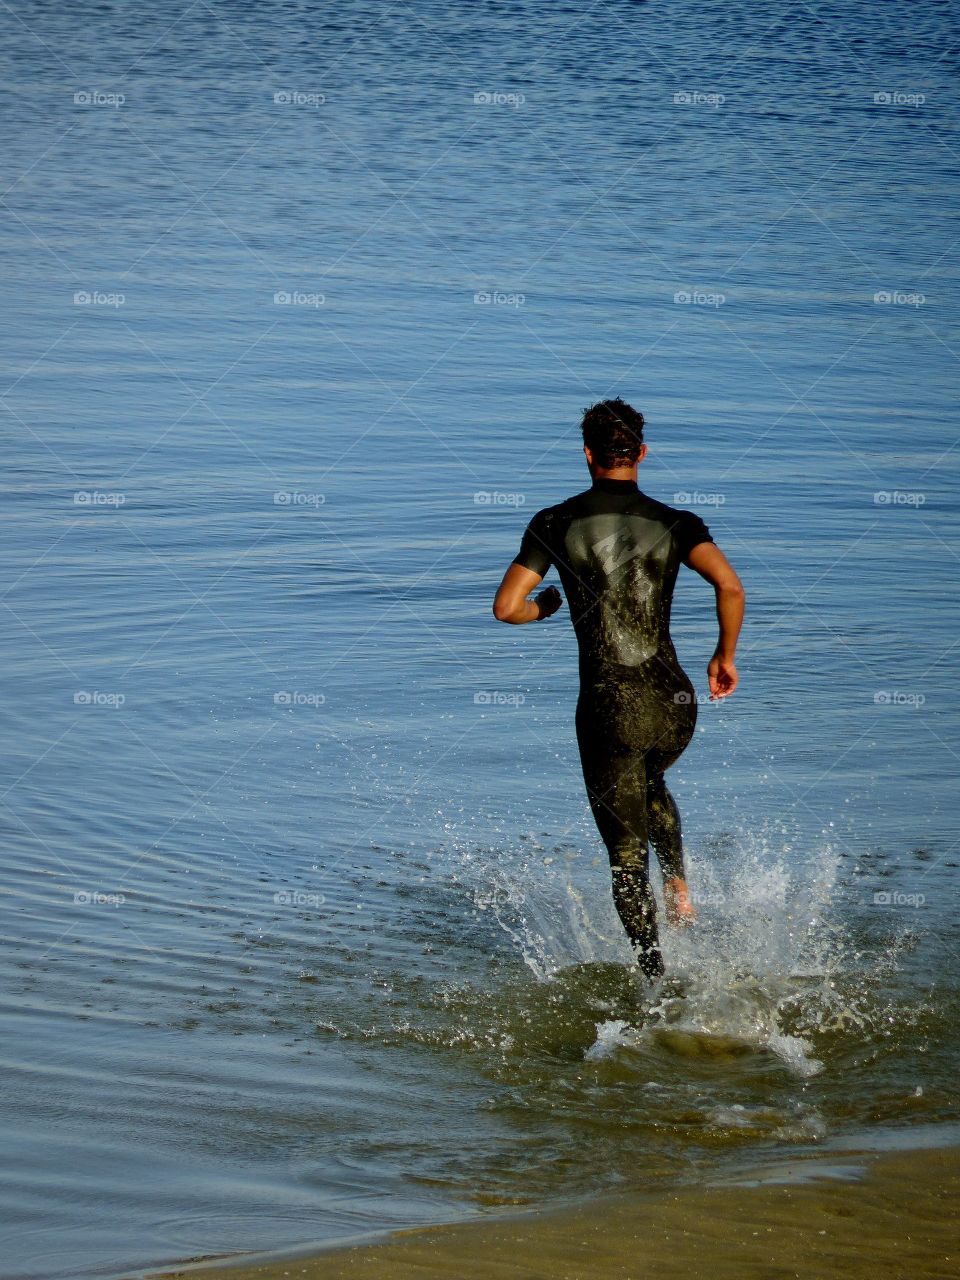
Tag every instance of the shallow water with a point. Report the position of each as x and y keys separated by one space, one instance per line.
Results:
x=883 y=1216
x=308 y=929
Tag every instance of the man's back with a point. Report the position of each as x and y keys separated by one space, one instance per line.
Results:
x=617 y=552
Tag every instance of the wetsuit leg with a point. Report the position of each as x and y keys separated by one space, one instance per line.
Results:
x=617 y=789
x=628 y=736
x=663 y=820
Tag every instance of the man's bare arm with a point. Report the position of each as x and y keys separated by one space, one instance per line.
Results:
x=710 y=562
x=511 y=604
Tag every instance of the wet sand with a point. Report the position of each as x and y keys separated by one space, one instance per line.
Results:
x=853 y=1216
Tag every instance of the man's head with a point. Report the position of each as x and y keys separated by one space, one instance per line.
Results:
x=613 y=436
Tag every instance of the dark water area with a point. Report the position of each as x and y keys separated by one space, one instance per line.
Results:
x=308 y=929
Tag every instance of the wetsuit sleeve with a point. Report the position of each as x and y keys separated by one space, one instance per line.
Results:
x=689 y=532
x=534 y=553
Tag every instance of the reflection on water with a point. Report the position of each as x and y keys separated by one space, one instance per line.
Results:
x=308 y=929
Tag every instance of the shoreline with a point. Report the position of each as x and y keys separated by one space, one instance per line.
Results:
x=848 y=1213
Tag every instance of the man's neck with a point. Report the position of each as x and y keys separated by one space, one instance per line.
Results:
x=614 y=473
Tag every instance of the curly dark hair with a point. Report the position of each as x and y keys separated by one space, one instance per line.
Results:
x=613 y=432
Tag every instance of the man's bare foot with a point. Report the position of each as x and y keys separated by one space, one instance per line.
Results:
x=680 y=912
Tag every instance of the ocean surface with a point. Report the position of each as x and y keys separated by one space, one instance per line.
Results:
x=307 y=929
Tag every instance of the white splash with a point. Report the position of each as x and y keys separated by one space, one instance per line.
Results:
x=610 y=1036
x=764 y=939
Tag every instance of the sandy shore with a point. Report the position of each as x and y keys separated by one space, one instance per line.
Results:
x=867 y=1216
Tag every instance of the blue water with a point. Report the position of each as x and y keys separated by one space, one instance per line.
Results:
x=308 y=929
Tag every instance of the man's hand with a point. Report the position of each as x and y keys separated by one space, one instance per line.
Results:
x=548 y=602
x=722 y=674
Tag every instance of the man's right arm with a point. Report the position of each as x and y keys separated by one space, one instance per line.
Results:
x=710 y=562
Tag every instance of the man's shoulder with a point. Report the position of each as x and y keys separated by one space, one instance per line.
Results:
x=686 y=528
x=566 y=507
x=583 y=503
x=663 y=511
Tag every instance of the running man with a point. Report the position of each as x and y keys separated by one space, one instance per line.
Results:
x=617 y=552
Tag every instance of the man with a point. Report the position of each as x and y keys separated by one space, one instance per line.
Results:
x=618 y=552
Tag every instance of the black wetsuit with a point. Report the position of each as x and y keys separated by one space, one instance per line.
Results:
x=617 y=552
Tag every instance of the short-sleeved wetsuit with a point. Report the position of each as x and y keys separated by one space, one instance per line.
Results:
x=617 y=552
